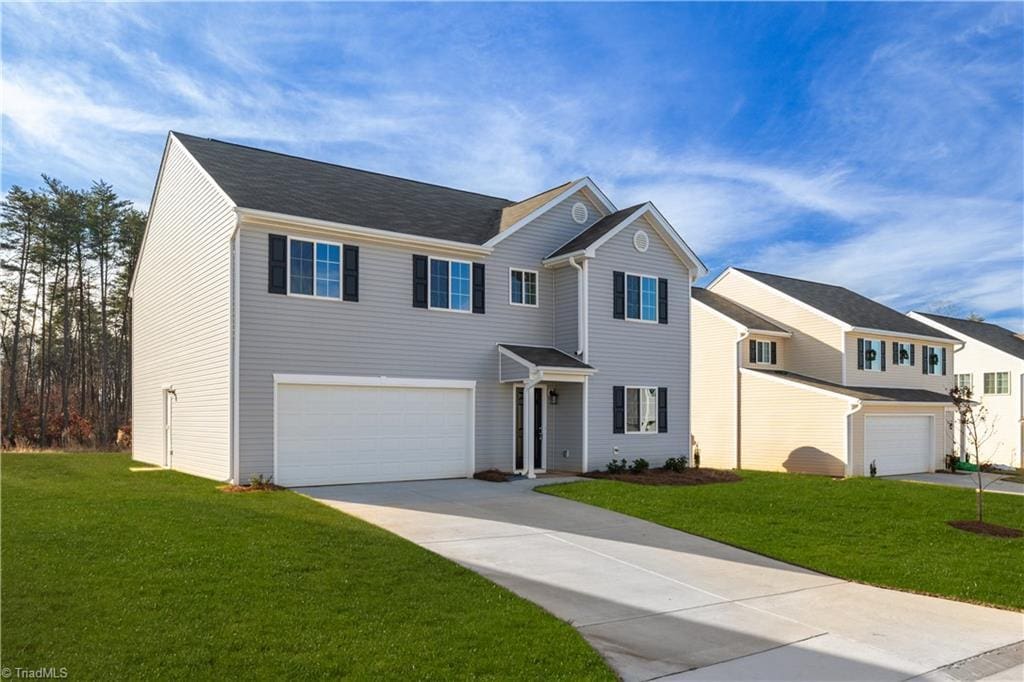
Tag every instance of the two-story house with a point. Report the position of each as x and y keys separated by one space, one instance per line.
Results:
x=323 y=324
x=793 y=375
x=991 y=364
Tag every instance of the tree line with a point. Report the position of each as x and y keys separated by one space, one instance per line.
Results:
x=66 y=257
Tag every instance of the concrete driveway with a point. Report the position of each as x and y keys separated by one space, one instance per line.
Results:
x=658 y=603
x=992 y=482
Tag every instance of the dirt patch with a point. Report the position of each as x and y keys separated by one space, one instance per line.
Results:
x=261 y=488
x=983 y=528
x=493 y=475
x=668 y=477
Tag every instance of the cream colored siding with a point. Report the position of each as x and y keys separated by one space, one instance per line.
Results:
x=780 y=350
x=181 y=322
x=816 y=346
x=943 y=443
x=789 y=428
x=897 y=376
x=714 y=386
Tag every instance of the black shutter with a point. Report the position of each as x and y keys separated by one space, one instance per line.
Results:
x=911 y=355
x=860 y=353
x=943 y=361
x=350 y=263
x=479 y=284
x=753 y=351
x=618 y=409
x=619 y=295
x=277 y=264
x=925 y=359
x=895 y=354
x=419 y=281
x=881 y=352
x=662 y=300
x=774 y=356
x=662 y=409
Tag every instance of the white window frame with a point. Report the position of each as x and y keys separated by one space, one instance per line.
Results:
x=625 y=407
x=536 y=287
x=625 y=303
x=878 y=357
x=430 y=284
x=995 y=383
x=940 y=366
x=900 y=346
x=970 y=380
x=768 y=352
x=341 y=268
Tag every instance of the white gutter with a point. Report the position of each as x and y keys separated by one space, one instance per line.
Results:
x=854 y=409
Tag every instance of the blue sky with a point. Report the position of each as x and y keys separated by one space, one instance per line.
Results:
x=875 y=146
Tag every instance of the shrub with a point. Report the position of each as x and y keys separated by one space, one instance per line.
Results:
x=639 y=466
x=677 y=464
x=617 y=467
x=261 y=482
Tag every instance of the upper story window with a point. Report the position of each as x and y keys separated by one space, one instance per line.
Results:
x=450 y=285
x=964 y=381
x=522 y=287
x=641 y=298
x=902 y=353
x=872 y=355
x=997 y=383
x=763 y=352
x=934 y=360
x=314 y=268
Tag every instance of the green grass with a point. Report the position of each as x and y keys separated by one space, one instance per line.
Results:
x=884 y=533
x=113 y=574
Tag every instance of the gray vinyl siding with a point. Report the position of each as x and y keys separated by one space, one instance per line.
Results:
x=628 y=353
x=565 y=436
x=181 y=322
x=511 y=369
x=383 y=334
x=566 y=309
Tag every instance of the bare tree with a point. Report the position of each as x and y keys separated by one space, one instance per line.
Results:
x=976 y=428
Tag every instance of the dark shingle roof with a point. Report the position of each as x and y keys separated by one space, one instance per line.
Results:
x=748 y=318
x=595 y=231
x=986 y=332
x=279 y=183
x=543 y=356
x=873 y=393
x=846 y=305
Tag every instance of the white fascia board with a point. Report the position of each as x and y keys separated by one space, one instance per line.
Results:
x=796 y=301
x=909 y=335
x=769 y=332
x=521 y=360
x=901 y=403
x=343 y=380
x=342 y=230
x=583 y=183
x=798 y=384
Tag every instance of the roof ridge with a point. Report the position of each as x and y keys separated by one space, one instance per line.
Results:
x=338 y=165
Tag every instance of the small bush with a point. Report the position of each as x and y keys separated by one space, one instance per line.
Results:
x=617 y=467
x=261 y=482
x=639 y=466
x=677 y=464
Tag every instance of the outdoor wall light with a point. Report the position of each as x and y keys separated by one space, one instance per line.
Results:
x=553 y=397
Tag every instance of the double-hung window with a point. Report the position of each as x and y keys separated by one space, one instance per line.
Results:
x=522 y=287
x=997 y=383
x=964 y=381
x=904 y=352
x=641 y=298
x=763 y=354
x=314 y=268
x=450 y=285
x=641 y=409
x=873 y=350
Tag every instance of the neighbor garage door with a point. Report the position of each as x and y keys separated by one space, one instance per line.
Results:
x=899 y=444
x=391 y=430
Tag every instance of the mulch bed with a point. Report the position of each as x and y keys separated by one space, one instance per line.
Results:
x=983 y=528
x=263 y=488
x=493 y=475
x=668 y=477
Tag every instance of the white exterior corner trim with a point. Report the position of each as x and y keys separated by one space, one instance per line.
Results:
x=582 y=183
x=236 y=288
x=796 y=301
x=799 y=384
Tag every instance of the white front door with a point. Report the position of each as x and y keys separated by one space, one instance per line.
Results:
x=328 y=434
x=899 y=444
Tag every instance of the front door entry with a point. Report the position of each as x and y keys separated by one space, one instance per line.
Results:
x=538 y=429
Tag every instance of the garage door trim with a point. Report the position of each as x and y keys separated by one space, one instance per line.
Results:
x=931 y=431
x=342 y=380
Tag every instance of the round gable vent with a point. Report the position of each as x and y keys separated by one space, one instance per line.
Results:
x=641 y=242
x=579 y=212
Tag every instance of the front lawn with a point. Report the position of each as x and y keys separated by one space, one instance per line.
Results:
x=120 y=575
x=884 y=533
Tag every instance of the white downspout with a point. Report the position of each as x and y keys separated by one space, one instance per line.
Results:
x=739 y=411
x=849 y=437
x=579 y=307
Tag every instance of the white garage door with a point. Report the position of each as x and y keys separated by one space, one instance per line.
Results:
x=899 y=444
x=331 y=433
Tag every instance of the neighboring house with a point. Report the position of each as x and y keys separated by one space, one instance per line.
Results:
x=991 y=364
x=323 y=324
x=791 y=375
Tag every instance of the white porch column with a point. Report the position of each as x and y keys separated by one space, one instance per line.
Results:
x=585 y=455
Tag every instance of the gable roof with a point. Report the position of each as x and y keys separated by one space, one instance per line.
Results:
x=599 y=229
x=868 y=393
x=991 y=334
x=545 y=356
x=279 y=183
x=734 y=311
x=845 y=305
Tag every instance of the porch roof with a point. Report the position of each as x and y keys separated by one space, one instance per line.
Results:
x=542 y=362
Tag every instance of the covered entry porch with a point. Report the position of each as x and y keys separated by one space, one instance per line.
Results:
x=547 y=391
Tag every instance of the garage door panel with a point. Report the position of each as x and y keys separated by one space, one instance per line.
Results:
x=899 y=444
x=352 y=434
